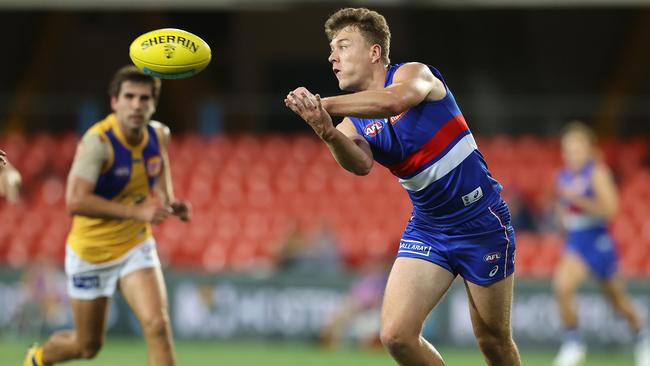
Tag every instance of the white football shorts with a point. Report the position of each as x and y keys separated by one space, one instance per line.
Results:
x=88 y=281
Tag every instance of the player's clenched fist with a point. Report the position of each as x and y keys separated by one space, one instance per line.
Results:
x=150 y=211
x=181 y=209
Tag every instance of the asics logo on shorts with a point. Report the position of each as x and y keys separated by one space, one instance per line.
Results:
x=85 y=282
x=494 y=271
x=414 y=247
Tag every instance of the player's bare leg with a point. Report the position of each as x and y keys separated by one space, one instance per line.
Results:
x=490 y=307
x=570 y=273
x=414 y=287
x=615 y=292
x=144 y=290
x=614 y=289
x=86 y=339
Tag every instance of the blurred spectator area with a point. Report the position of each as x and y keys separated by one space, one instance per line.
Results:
x=249 y=192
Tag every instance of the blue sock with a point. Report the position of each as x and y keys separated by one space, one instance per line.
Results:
x=572 y=335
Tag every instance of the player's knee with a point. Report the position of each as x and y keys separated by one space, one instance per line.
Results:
x=90 y=349
x=494 y=341
x=395 y=338
x=156 y=326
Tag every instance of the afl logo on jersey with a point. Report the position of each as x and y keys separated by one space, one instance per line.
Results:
x=154 y=166
x=373 y=128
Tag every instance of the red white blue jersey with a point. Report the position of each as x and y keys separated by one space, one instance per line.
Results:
x=433 y=153
x=579 y=182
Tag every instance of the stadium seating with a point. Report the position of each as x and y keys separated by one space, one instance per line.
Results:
x=250 y=192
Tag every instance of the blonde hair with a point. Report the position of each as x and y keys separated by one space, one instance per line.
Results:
x=581 y=128
x=371 y=24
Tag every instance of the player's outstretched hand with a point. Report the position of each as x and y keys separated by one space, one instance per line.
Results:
x=309 y=107
x=151 y=211
x=10 y=180
x=3 y=159
x=181 y=209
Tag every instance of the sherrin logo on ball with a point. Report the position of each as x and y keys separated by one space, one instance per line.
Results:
x=170 y=53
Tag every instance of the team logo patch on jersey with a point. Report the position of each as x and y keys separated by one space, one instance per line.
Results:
x=414 y=247
x=394 y=119
x=122 y=171
x=154 y=166
x=373 y=128
x=492 y=257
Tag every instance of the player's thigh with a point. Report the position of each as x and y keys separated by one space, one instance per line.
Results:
x=142 y=284
x=570 y=273
x=144 y=290
x=490 y=306
x=414 y=287
x=90 y=319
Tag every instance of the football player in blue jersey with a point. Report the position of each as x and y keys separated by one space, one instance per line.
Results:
x=588 y=201
x=405 y=117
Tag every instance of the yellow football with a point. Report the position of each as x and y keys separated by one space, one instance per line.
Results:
x=170 y=53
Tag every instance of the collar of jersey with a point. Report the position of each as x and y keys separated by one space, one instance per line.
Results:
x=120 y=136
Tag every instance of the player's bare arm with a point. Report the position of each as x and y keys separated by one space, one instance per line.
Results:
x=10 y=179
x=350 y=150
x=604 y=203
x=413 y=83
x=80 y=197
x=164 y=186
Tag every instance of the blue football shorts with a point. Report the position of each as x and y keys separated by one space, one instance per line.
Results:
x=596 y=248
x=481 y=250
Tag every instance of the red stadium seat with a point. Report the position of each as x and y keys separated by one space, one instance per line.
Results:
x=248 y=191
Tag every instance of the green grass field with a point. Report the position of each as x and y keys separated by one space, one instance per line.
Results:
x=128 y=352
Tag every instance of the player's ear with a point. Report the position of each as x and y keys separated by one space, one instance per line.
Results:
x=113 y=102
x=375 y=53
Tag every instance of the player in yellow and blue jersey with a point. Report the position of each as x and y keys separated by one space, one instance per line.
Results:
x=120 y=163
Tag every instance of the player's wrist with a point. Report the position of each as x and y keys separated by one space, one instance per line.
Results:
x=131 y=212
x=326 y=103
x=328 y=134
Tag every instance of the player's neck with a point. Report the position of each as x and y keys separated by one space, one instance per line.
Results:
x=578 y=166
x=378 y=77
x=133 y=136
